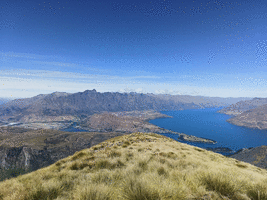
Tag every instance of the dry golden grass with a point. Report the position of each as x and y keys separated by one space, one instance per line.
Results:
x=141 y=166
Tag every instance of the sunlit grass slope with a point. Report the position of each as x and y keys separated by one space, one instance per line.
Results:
x=141 y=166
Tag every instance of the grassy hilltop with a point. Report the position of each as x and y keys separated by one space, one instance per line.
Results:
x=140 y=166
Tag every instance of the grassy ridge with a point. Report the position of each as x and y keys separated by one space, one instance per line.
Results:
x=141 y=166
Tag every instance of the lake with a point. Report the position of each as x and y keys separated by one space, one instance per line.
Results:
x=206 y=123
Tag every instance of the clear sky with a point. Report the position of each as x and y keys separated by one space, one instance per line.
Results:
x=210 y=48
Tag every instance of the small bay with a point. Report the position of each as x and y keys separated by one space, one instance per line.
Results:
x=207 y=123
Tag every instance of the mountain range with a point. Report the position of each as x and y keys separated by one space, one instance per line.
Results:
x=82 y=104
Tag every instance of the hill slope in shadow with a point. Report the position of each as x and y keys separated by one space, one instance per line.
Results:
x=256 y=156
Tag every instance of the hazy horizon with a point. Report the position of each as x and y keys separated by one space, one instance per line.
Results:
x=198 y=48
x=12 y=98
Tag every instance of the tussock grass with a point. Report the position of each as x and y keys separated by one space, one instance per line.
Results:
x=113 y=154
x=141 y=166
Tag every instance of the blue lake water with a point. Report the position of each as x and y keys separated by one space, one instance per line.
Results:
x=73 y=128
x=206 y=123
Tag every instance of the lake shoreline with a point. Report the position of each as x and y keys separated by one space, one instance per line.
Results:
x=208 y=123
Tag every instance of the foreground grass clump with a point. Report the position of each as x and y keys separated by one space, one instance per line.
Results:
x=141 y=166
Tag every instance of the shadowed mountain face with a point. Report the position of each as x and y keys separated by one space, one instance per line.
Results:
x=29 y=150
x=81 y=104
x=256 y=156
x=251 y=114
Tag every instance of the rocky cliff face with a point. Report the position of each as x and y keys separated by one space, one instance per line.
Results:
x=29 y=150
x=24 y=157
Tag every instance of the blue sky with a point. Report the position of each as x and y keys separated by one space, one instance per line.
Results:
x=208 y=48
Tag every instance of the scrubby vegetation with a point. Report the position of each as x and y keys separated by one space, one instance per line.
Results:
x=12 y=172
x=140 y=166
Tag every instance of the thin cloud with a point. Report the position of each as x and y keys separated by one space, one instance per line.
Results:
x=45 y=74
x=11 y=54
x=26 y=87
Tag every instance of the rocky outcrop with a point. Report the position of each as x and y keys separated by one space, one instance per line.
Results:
x=24 y=157
x=42 y=148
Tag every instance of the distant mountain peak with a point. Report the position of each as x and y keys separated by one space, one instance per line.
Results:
x=257 y=98
x=90 y=91
x=58 y=94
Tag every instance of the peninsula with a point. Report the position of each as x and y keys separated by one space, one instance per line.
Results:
x=250 y=113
